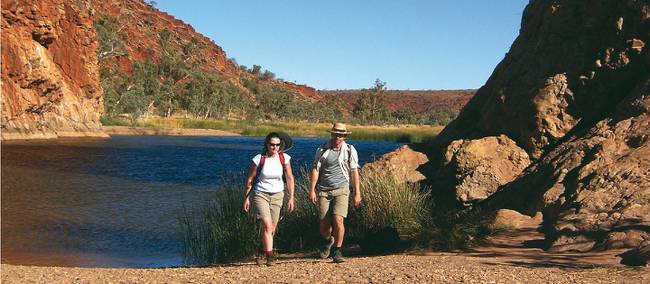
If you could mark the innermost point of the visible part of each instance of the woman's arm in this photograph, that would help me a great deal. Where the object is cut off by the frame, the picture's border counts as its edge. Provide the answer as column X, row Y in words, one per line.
column 290, row 187
column 252, row 172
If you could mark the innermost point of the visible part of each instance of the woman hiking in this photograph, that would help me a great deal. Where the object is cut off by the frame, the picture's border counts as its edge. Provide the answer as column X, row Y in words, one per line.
column 267, row 192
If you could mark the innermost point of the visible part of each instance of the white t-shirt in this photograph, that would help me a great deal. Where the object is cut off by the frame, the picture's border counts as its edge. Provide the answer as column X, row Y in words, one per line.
column 270, row 179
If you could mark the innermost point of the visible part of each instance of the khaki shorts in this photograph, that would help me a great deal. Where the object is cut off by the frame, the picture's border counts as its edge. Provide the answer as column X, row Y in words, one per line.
column 333, row 202
column 268, row 205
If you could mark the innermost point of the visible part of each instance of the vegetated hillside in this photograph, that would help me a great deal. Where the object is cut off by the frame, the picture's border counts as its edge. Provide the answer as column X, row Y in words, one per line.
column 140, row 25
column 416, row 100
column 134, row 32
column 562, row 126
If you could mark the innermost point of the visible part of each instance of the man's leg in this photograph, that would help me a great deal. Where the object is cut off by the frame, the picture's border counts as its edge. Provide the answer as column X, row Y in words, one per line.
column 325, row 226
column 339, row 212
column 338, row 230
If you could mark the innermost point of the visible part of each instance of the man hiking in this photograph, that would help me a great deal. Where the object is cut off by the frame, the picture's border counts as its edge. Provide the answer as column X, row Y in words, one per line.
column 335, row 168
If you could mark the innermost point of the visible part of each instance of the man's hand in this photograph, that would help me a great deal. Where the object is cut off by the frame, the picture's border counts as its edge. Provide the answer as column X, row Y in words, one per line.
column 246, row 205
column 357, row 200
column 291, row 206
column 312, row 196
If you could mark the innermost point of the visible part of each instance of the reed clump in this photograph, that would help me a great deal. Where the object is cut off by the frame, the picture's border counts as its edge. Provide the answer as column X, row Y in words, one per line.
column 298, row 231
column 219, row 231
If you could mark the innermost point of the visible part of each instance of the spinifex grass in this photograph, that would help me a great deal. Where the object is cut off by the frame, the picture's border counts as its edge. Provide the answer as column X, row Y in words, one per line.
column 389, row 202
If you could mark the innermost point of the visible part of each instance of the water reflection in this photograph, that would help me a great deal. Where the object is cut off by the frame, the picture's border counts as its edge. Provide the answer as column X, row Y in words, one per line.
column 114, row 203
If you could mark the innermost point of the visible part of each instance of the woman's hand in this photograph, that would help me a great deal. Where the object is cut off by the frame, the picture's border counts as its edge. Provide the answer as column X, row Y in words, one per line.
column 246, row 205
column 312, row 196
column 291, row 206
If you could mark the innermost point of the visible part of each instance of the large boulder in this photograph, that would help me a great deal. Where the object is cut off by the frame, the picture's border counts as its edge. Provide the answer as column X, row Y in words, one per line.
column 481, row 166
column 50, row 74
column 401, row 163
column 513, row 220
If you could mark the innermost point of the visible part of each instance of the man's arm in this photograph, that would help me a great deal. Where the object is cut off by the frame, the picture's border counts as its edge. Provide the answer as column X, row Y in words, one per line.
column 354, row 175
column 313, row 178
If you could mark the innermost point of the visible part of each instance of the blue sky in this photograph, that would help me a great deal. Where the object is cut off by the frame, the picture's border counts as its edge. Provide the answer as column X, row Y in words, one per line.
column 338, row 44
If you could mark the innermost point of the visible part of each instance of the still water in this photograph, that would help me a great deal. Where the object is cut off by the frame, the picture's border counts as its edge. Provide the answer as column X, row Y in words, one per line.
column 116, row 202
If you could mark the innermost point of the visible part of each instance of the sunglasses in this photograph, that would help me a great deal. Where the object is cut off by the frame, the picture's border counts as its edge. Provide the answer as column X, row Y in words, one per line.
column 274, row 145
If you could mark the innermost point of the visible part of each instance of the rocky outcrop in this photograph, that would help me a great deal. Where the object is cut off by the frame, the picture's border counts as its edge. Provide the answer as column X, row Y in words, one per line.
column 481, row 166
column 50, row 79
column 573, row 92
column 594, row 189
column 401, row 163
column 571, row 63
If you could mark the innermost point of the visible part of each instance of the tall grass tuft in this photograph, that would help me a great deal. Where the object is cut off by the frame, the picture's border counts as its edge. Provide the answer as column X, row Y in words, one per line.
column 299, row 230
column 219, row 232
column 388, row 203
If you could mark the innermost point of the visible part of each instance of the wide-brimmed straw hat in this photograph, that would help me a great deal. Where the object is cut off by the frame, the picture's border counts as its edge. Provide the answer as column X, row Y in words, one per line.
column 339, row 128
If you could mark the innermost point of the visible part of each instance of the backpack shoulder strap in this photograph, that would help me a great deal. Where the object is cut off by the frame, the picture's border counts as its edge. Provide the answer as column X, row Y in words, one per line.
column 284, row 167
column 281, row 158
column 260, row 166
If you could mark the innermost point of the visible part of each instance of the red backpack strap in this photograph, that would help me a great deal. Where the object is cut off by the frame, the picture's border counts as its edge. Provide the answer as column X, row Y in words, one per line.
column 261, row 164
column 284, row 167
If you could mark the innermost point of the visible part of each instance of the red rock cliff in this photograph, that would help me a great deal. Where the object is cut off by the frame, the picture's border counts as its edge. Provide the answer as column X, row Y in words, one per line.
column 50, row 80
column 573, row 92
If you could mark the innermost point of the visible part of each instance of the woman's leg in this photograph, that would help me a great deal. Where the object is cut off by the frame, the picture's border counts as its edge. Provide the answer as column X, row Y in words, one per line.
column 268, row 230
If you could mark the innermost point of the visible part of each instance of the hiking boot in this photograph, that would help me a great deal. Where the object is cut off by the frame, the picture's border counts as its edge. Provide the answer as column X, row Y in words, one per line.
column 326, row 247
column 259, row 259
column 337, row 256
column 270, row 259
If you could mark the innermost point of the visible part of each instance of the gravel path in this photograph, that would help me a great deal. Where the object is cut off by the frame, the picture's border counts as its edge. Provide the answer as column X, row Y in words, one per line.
column 400, row 268
column 509, row 257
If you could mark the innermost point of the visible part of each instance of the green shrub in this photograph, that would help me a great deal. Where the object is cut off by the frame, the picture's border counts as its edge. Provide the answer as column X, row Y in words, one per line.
column 112, row 121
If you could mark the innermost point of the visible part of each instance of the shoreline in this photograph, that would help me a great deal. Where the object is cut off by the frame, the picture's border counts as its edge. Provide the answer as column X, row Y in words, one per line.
column 129, row 130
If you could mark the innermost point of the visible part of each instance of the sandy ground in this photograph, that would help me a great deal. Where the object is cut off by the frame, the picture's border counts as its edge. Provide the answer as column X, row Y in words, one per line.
column 507, row 258
column 400, row 268
column 128, row 130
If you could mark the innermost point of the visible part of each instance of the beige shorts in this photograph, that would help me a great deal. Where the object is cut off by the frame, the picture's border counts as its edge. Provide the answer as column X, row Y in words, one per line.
column 333, row 202
column 268, row 205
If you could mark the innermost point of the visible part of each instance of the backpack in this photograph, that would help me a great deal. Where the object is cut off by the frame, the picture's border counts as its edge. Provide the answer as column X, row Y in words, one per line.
column 326, row 147
column 261, row 165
